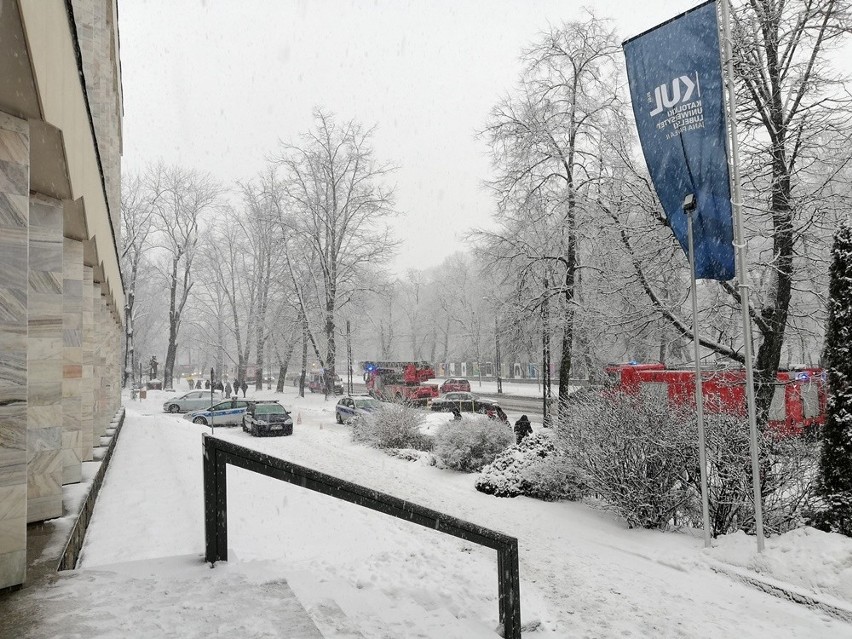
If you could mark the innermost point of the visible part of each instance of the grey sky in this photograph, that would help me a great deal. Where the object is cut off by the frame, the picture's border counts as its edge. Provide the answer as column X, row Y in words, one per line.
column 215, row 84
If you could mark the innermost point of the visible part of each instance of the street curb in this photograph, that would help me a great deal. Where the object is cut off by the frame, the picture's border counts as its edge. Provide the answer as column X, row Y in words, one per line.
column 835, row 608
column 71, row 552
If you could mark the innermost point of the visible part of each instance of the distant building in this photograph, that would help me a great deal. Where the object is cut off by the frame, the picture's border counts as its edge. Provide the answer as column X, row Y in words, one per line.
column 61, row 294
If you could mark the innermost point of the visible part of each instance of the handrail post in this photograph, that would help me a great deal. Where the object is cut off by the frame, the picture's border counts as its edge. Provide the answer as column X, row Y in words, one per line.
column 509, row 590
column 215, row 501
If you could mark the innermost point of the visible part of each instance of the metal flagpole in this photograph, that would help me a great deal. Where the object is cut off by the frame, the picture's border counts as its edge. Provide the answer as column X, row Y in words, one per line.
column 742, row 268
column 689, row 205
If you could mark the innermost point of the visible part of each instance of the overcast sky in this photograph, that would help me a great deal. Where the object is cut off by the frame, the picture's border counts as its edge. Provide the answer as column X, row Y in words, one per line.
column 215, row 84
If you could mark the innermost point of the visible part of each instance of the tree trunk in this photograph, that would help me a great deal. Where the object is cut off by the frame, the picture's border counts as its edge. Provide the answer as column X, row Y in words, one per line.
column 304, row 355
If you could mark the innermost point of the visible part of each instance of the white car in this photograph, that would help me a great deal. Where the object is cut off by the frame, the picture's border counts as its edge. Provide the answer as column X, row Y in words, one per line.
column 193, row 400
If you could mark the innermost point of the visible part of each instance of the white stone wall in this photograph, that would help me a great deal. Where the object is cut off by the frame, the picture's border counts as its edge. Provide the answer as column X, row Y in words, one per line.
column 14, row 220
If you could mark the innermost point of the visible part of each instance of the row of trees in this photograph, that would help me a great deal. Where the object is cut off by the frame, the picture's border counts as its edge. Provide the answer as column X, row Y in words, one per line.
column 249, row 272
column 580, row 260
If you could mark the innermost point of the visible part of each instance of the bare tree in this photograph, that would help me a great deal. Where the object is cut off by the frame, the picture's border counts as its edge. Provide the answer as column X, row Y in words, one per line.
column 544, row 143
column 336, row 206
column 136, row 211
column 180, row 198
column 795, row 115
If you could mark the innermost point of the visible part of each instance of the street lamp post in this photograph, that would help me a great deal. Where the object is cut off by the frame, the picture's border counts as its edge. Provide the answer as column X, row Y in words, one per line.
column 497, row 352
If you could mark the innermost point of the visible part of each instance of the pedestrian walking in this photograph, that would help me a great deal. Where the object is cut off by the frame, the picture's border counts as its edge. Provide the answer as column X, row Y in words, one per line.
column 227, row 389
column 244, row 387
column 522, row 428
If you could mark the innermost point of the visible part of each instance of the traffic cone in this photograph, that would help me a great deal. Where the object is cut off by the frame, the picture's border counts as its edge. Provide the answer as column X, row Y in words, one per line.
column 298, row 418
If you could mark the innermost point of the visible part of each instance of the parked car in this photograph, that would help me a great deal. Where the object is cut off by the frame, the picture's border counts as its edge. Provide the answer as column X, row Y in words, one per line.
column 454, row 384
column 316, row 383
column 193, row 400
column 227, row 413
column 267, row 418
column 463, row 402
column 350, row 407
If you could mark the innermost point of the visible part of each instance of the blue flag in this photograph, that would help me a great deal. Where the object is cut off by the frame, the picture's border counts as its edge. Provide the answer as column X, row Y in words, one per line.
column 675, row 77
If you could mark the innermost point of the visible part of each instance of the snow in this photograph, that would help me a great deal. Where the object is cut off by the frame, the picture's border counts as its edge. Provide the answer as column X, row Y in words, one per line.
column 583, row 572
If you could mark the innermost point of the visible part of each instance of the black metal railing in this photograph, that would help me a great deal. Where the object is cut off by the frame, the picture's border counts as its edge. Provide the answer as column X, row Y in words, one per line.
column 219, row 453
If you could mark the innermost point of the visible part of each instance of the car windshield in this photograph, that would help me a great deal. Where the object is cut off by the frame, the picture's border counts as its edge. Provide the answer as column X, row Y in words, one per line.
column 366, row 403
column 222, row 406
column 269, row 409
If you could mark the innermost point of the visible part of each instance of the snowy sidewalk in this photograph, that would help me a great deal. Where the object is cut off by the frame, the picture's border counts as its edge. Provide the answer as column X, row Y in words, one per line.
column 296, row 556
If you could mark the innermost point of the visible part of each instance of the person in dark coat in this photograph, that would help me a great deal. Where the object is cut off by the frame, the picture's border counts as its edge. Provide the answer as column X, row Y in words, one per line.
column 198, row 383
column 522, row 428
column 207, row 384
column 244, row 387
column 227, row 389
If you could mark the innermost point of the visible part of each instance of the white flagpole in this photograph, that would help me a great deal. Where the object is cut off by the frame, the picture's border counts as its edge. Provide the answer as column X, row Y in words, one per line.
column 742, row 267
column 689, row 209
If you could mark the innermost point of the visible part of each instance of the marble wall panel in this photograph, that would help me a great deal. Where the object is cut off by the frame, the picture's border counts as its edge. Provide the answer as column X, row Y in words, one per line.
column 72, row 360
column 44, row 360
column 87, row 381
column 99, row 363
column 14, row 247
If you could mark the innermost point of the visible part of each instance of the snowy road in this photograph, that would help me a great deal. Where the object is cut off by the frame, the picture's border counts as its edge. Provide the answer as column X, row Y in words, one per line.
column 583, row 574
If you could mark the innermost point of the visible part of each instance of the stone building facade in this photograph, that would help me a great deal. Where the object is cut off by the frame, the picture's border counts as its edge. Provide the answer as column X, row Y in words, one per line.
column 61, row 294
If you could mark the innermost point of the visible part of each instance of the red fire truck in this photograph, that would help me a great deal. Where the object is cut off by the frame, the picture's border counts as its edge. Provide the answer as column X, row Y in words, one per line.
column 798, row 405
column 400, row 381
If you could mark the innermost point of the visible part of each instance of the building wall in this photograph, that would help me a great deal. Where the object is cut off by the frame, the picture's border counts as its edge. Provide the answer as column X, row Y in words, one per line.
column 61, row 294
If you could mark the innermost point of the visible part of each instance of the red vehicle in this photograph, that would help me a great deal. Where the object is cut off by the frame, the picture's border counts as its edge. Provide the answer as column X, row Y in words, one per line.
column 400, row 381
column 455, row 384
column 798, row 405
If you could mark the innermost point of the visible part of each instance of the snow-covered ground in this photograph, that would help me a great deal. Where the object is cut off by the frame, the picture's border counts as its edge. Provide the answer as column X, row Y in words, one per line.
column 583, row 573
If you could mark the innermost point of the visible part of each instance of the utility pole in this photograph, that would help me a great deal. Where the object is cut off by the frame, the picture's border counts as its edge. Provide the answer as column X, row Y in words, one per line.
column 545, row 359
column 349, row 385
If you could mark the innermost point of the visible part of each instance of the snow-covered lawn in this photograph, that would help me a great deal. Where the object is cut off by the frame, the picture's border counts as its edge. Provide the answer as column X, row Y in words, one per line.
column 583, row 573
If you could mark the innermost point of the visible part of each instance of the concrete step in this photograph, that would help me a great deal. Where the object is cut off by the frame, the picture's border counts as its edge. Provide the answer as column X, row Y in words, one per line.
column 180, row 597
column 342, row 610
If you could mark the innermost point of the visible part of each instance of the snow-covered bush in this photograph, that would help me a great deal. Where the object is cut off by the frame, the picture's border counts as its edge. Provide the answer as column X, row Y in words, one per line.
column 467, row 445
column 392, row 426
column 535, row 468
column 787, row 478
column 632, row 452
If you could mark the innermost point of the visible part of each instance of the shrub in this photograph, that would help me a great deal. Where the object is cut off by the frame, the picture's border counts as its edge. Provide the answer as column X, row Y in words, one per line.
column 787, row 473
column 535, row 468
column 469, row 444
column 641, row 458
column 392, row 426
column 631, row 451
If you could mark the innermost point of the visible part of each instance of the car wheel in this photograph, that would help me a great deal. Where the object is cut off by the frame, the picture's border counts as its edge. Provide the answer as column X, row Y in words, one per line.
column 174, row 408
column 339, row 418
column 200, row 420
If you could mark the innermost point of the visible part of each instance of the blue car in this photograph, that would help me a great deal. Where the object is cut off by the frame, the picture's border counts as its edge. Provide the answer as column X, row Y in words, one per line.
column 227, row 413
column 350, row 407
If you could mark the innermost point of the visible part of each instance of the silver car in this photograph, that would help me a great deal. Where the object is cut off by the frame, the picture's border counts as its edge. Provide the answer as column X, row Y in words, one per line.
column 193, row 400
